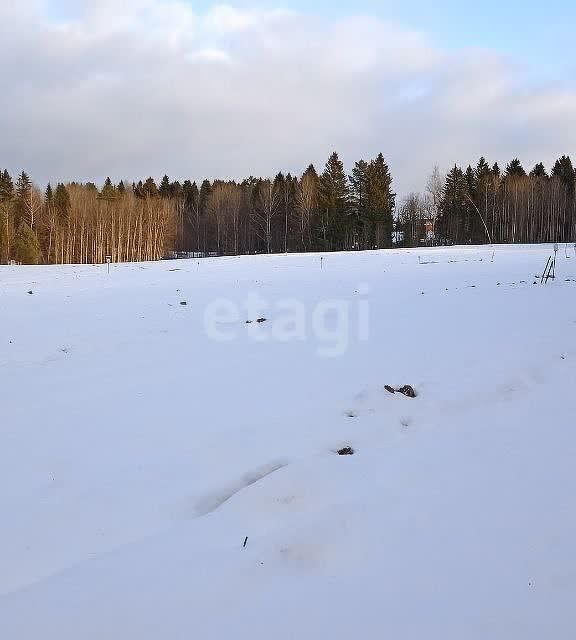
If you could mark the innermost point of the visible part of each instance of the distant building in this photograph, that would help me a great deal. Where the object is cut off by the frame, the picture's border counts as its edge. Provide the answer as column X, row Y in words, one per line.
column 429, row 231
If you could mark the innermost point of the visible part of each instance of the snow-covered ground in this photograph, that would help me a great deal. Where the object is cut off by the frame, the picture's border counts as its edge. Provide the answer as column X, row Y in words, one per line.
column 142, row 440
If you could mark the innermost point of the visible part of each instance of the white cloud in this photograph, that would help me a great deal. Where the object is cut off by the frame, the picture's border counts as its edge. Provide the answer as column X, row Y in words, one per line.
column 222, row 19
column 153, row 86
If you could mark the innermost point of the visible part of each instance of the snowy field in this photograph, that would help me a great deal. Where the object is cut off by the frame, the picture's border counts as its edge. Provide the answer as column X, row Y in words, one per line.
column 142, row 440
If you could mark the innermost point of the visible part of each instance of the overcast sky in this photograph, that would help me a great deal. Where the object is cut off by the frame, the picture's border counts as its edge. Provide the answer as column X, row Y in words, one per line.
column 92, row 88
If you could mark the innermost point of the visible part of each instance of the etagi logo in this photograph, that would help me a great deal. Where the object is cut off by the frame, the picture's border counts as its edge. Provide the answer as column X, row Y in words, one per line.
column 332, row 324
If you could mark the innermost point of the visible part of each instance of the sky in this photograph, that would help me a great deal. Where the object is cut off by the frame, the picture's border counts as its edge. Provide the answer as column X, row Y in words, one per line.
column 196, row 89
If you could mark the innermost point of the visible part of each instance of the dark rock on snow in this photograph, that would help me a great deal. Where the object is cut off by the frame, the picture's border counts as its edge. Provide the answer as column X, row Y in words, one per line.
column 406, row 390
column 346, row 451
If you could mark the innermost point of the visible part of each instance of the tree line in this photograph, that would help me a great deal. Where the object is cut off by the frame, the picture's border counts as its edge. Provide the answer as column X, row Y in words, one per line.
column 81, row 223
column 485, row 204
column 330, row 211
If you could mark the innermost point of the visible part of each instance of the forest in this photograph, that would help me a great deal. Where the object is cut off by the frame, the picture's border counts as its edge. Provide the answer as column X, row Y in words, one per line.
column 327, row 211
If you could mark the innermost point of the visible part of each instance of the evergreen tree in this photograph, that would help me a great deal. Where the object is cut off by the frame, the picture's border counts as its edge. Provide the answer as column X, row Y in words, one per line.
column 205, row 190
column 307, row 194
column 175, row 189
column 6, row 187
column 453, row 208
column 380, row 203
column 62, row 204
column 150, row 189
column 26, row 245
column 6, row 198
column 564, row 170
column 22, row 199
column 359, row 188
column 515, row 169
column 49, row 195
column 201, row 207
column 164, row 190
column 191, row 223
column 108, row 191
column 334, row 200
column 471, row 182
column 539, row 171
column 121, row 188
column 359, row 198
column 484, row 198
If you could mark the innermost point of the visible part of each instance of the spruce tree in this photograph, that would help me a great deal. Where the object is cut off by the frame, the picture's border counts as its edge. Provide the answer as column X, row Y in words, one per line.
column 26, row 245
column 164, row 190
column 6, row 187
column 515, row 169
column 205, row 191
column 191, row 222
column 539, row 171
column 453, row 208
column 108, row 191
column 380, row 203
column 307, row 205
column 150, row 189
column 62, row 204
column 334, row 201
column 6, row 198
column 484, row 197
column 22, row 199
column 138, row 189
column 564, row 170
column 359, row 197
column 175, row 189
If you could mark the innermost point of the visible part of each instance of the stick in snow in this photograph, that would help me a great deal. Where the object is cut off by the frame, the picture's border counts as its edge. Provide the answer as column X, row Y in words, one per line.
column 545, row 270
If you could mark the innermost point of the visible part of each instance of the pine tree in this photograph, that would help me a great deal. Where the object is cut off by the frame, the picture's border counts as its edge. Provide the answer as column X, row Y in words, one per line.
column 121, row 188
column 26, row 245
